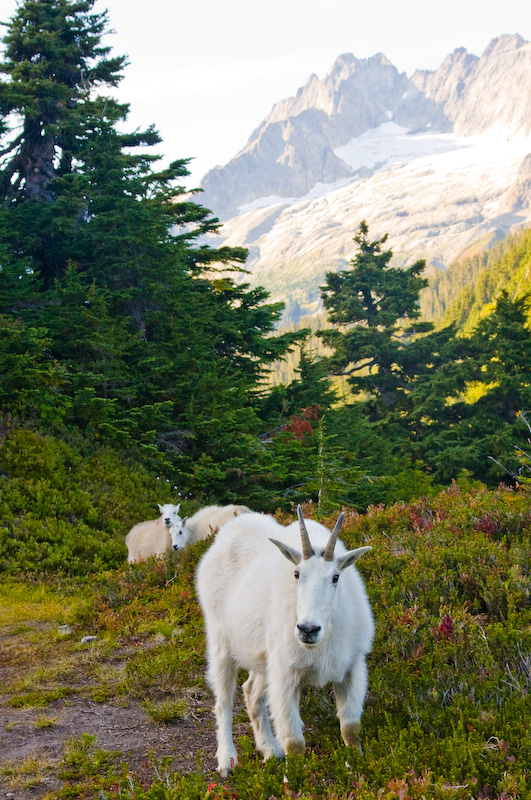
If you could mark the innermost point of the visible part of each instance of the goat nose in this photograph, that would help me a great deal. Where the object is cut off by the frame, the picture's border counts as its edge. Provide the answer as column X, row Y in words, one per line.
column 309, row 628
column 167, row 521
column 308, row 633
column 175, row 546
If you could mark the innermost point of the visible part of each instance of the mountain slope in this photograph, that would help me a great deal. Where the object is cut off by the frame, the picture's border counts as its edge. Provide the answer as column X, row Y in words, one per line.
column 506, row 267
column 440, row 161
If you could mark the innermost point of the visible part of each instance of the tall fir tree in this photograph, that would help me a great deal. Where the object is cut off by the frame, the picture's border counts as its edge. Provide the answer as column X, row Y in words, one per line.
column 466, row 411
column 399, row 368
column 370, row 304
column 104, row 264
column 53, row 61
column 498, row 389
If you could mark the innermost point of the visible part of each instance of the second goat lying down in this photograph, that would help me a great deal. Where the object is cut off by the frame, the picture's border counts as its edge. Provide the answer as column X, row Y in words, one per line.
column 287, row 605
column 203, row 523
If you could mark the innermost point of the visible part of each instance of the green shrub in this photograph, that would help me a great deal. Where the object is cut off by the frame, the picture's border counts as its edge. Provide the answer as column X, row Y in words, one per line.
column 64, row 513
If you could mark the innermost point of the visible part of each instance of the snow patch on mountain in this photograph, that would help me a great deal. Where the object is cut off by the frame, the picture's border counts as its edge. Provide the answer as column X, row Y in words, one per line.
column 319, row 190
column 435, row 194
column 390, row 143
column 379, row 149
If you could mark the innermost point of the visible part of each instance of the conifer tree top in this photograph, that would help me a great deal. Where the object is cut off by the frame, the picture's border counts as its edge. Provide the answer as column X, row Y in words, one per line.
column 53, row 60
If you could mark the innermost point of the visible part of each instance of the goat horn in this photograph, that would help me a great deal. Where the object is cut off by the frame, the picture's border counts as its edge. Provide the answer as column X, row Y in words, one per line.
column 307, row 549
column 328, row 554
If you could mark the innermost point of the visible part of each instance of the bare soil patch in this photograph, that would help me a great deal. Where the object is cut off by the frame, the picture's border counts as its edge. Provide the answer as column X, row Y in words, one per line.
column 128, row 730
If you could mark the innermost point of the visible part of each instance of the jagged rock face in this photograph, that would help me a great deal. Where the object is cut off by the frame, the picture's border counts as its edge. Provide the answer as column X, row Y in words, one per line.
column 519, row 196
column 475, row 94
column 438, row 161
column 292, row 149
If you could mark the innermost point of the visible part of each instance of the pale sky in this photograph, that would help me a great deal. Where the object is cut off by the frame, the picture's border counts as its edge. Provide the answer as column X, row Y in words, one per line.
column 206, row 72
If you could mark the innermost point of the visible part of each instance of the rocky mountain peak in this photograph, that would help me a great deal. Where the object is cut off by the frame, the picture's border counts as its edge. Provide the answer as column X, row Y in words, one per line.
column 440, row 162
column 348, row 77
column 475, row 94
column 295, row 148
column 505, row 43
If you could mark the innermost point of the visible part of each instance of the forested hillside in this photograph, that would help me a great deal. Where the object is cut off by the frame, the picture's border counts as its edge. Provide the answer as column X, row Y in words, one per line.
column 466, row 291
column 117, row 329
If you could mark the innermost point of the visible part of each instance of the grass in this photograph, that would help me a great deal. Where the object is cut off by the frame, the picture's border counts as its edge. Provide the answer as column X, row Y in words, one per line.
column 22, row 603
column 167, row 711
column 38, row 699
column 42, row 721
column 62, row 669
column 26, row 774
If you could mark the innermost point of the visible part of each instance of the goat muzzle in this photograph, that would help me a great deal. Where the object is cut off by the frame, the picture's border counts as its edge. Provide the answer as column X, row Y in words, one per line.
column 308, row 634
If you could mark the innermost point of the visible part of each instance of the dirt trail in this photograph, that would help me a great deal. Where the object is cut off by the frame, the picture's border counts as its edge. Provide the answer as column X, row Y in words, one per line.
column 128, row 730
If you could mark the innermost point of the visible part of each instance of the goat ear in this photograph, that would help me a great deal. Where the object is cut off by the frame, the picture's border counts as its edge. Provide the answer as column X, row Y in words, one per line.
column 160, row 507
column 290, row 553
column 184, row 521
column 351, row 557
column 177, row 508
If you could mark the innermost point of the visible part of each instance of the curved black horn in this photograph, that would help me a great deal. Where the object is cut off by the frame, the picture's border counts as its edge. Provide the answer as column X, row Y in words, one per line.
column 328, row 554
column 307, row 549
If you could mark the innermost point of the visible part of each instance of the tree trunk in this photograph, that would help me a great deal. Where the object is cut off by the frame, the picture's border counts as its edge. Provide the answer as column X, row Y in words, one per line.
column 35, row 161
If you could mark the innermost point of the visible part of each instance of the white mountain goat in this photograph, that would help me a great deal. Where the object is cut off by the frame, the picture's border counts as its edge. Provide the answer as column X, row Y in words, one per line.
column 203, row 523
column 152, row 538
column 290, row 625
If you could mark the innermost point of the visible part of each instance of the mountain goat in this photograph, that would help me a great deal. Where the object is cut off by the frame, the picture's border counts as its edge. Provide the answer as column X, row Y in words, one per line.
column 203, row 523
column 152, row 538
column 308, row 623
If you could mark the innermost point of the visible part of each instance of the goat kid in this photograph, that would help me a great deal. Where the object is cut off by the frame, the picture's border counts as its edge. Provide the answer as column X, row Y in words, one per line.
column 153, row 537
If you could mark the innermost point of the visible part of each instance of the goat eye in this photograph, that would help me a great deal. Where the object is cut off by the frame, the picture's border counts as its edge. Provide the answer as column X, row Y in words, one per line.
column 296, row 573
column 335, row 578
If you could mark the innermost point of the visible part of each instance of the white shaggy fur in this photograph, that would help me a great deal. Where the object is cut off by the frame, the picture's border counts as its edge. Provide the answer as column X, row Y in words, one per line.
column 203, row 523
column 152, row 538
column 308, row 622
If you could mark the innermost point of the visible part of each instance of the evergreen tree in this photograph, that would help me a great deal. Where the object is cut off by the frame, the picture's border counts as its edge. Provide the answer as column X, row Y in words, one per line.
column 371, row 303
column 470, row 406
column 31, row 382
column 105, row 266
column 310, row 388
column 400, row 369
column 312, row 385
column 53, row 60
column 502, row 345
column 499, row 363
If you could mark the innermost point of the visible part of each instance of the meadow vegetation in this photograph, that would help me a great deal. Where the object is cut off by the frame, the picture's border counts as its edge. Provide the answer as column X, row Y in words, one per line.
column 450, row 673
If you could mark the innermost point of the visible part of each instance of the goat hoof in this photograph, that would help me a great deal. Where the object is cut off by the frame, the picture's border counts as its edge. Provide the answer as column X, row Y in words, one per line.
column 295, row 746
column 225, row 767
column 351, row 735
column 271, row 752
column 224, row 772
